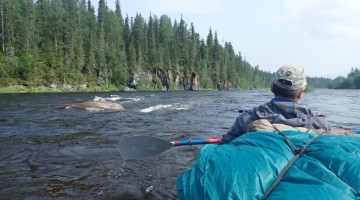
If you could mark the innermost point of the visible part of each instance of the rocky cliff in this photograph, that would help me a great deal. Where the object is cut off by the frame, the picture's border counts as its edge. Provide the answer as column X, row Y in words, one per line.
column 165, row 80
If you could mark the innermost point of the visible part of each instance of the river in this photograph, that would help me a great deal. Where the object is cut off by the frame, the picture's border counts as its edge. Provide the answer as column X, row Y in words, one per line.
column 47, row 153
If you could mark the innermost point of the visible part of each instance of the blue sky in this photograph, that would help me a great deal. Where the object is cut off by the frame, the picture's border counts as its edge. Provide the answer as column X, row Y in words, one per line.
column 323, row 36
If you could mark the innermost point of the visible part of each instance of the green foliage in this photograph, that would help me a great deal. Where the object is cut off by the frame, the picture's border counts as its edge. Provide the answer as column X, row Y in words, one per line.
column 63, row 42
column 319, row 82
column 352, row 81
column 3, row 73
column 26, row 69
column 119, row 78
column 156, row 81
column 309, row 88
column 143, row 83
column 171, row 85
column 357, row 81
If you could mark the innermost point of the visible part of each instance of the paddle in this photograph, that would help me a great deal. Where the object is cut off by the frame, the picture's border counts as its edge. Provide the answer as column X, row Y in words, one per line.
column 144, row 146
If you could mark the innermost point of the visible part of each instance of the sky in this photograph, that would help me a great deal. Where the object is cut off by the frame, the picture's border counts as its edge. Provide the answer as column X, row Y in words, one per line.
column 322, row 36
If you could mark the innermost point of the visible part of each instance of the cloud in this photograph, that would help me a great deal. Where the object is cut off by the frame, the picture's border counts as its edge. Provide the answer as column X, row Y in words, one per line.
column 186, row 6
column 332, row 20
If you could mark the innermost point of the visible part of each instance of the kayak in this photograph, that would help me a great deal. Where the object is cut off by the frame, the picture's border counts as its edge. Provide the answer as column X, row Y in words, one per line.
column 265, row 165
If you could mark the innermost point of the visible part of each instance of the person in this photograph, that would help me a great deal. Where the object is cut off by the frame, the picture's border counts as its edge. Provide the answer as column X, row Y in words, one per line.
column 288, row 85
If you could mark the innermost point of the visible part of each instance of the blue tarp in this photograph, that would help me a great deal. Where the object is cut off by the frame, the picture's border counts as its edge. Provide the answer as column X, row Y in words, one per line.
column 248, row 166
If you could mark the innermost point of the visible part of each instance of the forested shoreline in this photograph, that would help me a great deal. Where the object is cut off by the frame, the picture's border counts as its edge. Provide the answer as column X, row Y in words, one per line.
column 64, row 44
column 352, row 81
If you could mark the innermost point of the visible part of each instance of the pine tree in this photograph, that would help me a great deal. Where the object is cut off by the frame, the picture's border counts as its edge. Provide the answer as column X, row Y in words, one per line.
column 90, row 35
column 193, row 49
column 165, row 37
column 121, row 76
column 151, row 43
column 183, row 46
column 129, row 47
column 100, row 50
column 71, row 38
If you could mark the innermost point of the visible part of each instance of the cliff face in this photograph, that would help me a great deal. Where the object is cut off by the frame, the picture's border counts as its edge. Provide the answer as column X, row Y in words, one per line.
column 164, row 80
column 227, row 85
column 191, row 83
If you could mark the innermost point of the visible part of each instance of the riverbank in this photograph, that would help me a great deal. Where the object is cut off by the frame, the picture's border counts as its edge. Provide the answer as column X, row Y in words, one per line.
column 67, row 88
column 43, row 89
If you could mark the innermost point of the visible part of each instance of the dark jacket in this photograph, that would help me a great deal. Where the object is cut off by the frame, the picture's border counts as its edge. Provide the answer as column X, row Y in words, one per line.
column 280, row 112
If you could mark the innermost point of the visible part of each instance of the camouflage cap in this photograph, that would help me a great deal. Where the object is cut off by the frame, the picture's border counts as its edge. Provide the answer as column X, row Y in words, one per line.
column 290, row 77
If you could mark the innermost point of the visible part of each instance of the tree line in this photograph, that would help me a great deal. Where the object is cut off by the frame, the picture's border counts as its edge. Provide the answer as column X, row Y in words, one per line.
column 64, row 42
column 352, row 81
column 319, row 82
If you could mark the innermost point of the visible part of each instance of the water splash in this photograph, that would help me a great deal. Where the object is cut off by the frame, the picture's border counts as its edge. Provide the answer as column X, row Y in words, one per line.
column 158, row 107
column 117, row 97
column 149, row 189
column 174, row 106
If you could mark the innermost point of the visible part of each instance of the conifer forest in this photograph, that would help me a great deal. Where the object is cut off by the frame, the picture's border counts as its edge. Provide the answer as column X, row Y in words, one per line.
column 67, row 42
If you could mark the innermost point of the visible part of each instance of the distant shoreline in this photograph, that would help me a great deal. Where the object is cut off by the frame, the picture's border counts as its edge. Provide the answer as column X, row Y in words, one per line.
column 17, row 89
column 42, row 89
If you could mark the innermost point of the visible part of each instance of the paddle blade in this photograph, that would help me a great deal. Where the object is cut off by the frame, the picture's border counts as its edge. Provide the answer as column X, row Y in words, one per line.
column 142, row 146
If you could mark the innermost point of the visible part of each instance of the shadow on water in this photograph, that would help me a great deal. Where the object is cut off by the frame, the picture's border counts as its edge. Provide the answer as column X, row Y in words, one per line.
column 47, row 153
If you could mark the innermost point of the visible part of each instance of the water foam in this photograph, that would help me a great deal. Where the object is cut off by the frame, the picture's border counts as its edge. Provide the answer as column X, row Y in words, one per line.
column 117, row 97
column 176, row 106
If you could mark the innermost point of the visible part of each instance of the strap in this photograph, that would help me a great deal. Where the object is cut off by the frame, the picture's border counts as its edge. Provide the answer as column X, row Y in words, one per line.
column 298, row 152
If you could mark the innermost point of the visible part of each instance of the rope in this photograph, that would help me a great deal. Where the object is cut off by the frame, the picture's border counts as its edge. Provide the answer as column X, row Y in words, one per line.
column 297, row 152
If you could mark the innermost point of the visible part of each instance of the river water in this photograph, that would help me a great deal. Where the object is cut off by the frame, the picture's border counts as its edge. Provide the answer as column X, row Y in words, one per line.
column 47, row 153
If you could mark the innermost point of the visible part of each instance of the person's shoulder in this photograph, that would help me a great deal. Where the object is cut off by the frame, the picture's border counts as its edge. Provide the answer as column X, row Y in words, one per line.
column 315, row 113
column 264, row 106
column 254, row 109
column 247, row 112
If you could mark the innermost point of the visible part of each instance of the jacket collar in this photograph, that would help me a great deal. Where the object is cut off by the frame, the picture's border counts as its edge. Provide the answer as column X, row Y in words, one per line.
column 282, row 100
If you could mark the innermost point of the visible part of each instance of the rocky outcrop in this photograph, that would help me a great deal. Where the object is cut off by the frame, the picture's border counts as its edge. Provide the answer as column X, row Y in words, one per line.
column 177, row 83
column 140, row 76
column 195, row 84
column 136, row 77
column 164, row 80
column 227, row 85
column 191, row 83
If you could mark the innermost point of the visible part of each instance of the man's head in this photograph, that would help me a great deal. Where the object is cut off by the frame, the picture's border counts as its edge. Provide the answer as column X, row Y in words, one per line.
column 289, row 82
